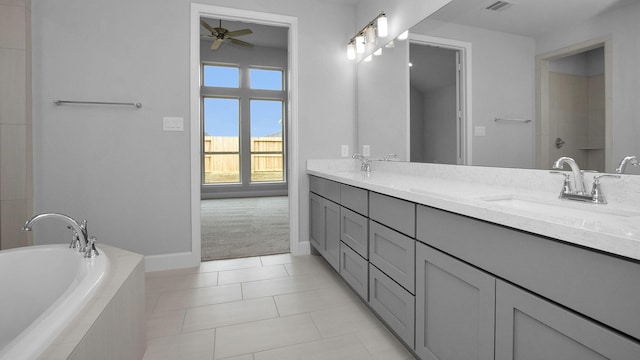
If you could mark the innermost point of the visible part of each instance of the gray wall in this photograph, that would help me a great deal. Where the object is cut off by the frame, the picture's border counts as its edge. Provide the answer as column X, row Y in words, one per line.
column 115, row 166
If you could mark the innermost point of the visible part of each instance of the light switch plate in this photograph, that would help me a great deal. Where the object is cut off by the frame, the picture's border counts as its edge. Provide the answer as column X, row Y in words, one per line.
column 172, row 124
column 479, row 131
column 366, row 150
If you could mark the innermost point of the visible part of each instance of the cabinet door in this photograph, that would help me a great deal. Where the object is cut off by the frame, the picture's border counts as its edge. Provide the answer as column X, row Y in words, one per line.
column 454, row 308
column 354, row 231
column 529, row 327
column 332, row 233
column 316, row 222
column 324, row 228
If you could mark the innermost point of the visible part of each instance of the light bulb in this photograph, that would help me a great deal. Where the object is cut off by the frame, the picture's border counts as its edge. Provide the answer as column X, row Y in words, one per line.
column 404, row 35
column 359, row 44
column 383, row 27
column 351, row 51
column 378, row 52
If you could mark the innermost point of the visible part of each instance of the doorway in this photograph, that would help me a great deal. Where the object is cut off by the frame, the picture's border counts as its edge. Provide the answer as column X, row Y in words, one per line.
column 244, row 157
column 574, row 107
column 440, row 100
column 199, row 11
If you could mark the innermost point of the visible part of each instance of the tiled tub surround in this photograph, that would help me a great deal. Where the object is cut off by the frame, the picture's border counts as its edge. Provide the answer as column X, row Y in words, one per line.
column 456, row 276
column 112, row 325
column 464, row 190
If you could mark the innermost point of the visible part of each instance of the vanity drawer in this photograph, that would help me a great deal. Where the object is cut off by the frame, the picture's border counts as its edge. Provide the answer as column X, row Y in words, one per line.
column 354, row 270
column 395, row 213
column 325, row 188
column 354, row 231
column 393, row 253
column 355, row 199
column 394, row 304
column 603, row 287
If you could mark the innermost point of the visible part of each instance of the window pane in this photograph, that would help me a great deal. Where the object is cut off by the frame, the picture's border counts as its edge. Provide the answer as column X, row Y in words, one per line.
column 221, row 140
column 221, row 76
column 267, row 161
column 266, row 167
column 221, row 168
column 265, row 79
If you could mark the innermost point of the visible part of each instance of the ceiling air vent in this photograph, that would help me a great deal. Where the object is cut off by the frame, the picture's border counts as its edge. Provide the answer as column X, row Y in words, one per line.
column 498, row 6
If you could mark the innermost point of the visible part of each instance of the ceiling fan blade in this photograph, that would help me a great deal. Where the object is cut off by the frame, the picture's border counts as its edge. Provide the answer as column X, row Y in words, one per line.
column 216, row 44
column 240, row 32
column 208, row 27
column 240, row 42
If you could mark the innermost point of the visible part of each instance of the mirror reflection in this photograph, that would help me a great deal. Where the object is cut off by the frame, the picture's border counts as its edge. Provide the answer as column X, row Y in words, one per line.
column 515, row 87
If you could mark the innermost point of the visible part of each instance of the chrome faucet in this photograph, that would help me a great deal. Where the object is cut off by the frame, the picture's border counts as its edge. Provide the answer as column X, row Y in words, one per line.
column 576, row 190
column 365, row 165
column 628, row 160
column 391, row 156
column 578, row 187
column 80, row 239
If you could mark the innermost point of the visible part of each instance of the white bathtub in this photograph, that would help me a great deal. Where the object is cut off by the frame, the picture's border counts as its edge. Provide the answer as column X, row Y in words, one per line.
column 42, row 288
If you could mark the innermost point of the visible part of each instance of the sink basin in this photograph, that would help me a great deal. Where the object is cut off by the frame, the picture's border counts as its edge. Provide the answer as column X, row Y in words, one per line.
column 558, row 207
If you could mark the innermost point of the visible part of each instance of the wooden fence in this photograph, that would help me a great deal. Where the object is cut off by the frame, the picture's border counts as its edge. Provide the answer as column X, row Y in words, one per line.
column 229, row 163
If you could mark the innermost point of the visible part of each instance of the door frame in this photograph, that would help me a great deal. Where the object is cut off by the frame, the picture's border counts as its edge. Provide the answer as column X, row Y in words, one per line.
column 202, row 10
column 542, row 133
column 464, row 91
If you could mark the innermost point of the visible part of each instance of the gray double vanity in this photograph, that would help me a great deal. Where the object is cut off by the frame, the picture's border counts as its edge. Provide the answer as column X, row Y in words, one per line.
column 483, row 263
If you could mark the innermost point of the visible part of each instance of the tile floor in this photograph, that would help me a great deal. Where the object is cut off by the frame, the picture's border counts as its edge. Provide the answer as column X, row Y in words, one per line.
column 270, row 307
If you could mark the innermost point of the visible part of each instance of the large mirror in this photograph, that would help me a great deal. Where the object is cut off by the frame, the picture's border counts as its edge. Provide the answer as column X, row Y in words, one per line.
column 518, row 85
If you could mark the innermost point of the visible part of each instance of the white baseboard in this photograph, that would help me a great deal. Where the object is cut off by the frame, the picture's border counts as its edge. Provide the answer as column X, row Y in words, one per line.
column 303, row 248
column 171, row 261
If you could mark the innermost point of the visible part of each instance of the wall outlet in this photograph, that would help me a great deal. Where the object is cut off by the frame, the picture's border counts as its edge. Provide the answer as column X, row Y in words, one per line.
column 366, row 150
column 344, row 150
column 173, row 124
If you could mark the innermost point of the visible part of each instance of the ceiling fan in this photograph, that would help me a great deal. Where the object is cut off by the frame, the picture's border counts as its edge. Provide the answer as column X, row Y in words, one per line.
column 221, row 35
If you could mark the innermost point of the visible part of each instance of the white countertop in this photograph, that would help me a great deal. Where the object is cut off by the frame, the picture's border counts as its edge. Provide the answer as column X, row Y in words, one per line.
column 531, row 206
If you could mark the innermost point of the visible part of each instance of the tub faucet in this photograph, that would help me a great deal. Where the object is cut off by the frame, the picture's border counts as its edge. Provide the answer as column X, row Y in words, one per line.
column 578, row 179
column 628, row 160
column 80, row 230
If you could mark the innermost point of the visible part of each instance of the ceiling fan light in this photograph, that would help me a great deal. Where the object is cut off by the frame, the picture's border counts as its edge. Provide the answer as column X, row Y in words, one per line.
column 370, row 34
column 383, row 26
column 360, row 44
column 351, row 51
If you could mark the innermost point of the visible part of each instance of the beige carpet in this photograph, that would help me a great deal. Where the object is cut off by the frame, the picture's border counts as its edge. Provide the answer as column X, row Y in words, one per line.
column 233, row 228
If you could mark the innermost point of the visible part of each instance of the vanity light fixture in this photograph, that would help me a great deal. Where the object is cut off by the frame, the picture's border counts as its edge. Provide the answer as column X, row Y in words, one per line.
column 351, row 51
column 359, row 44
column 368, row 58
column 404, row 35
column 378, row 27
column 382, row 26
column 370, row 35
column 378, row 52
